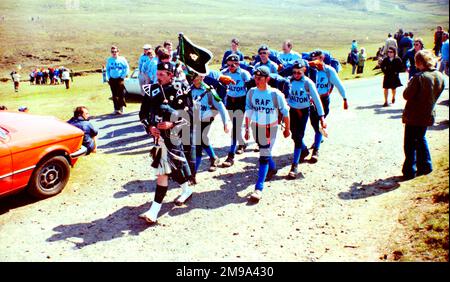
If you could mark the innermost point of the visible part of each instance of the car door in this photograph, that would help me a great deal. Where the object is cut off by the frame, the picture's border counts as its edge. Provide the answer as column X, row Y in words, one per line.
column 5, row 163
column 132, row 83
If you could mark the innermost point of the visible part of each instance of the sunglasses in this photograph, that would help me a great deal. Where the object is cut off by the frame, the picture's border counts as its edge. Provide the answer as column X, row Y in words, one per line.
column 296, row 72
column 263, row 53
column 114, row 51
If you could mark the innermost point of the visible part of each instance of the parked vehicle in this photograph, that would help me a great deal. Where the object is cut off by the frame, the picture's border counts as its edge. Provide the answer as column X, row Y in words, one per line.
column 132, row 83
column 36, row 153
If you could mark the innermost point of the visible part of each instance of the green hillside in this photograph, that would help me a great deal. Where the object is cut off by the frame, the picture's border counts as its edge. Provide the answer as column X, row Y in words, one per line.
column 78, row 33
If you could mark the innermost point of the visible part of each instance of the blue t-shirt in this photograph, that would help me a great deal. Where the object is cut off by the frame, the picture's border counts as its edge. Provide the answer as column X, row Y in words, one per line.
column 300, row 94
column 324, row 85
column 271, row 65
column 142, row 60
column 116, row 67
column 261, row 108
column 241, row 77
column 288, row 58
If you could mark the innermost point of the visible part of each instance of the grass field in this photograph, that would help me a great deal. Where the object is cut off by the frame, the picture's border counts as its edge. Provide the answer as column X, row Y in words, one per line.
column 78, row 33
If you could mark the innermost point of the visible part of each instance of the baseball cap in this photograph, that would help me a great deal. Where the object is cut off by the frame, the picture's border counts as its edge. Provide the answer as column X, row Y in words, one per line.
column 147, row 46
column 299, row 64
column 263, row 48
column 316, row 53
column 233, row 58
column 166, row 67
column 262, row 71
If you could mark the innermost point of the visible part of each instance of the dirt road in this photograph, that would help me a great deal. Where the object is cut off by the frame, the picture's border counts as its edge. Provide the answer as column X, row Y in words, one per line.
column 345, row 207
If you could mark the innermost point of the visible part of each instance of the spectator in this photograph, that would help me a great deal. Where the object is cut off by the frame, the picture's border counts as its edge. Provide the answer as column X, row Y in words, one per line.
column 80, row 119
column 444, row 54
column 354, row 45
column 399, row 35
column 3, row 108
column 116, row 70
column 234, row 49
column 438, row 40
column 16, row 80
column 405, row 44
column 409, row 57
column 65, row 77
column 354, row 60
column 391, row 67
column 362, row 57
column 390, row 42
column 421, row 95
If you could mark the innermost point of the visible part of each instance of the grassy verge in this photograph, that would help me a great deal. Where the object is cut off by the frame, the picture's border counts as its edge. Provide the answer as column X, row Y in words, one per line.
column 425, row 217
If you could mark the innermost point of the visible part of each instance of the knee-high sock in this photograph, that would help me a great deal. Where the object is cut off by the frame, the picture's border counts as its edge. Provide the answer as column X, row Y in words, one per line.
column 160, row 193
column 272, row 164
column 198, row 161
column 210, row 151
column 297, row 153
column 317, row 140
column 262, row 173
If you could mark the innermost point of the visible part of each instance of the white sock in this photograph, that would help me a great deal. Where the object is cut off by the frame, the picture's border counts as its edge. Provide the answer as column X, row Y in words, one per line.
column 152, row 213
column 186, row 192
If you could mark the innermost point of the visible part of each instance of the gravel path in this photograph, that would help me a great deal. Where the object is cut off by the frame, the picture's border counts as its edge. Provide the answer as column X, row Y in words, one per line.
column 345, row 208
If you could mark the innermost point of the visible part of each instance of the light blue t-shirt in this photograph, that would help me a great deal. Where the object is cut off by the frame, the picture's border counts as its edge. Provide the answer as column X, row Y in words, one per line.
column 271, row 65
column 150, row 68
column 142, row 60
column 324, row 84
column 444, row 51
column 289, row 58
column 206, row 112
column 240, row 76
column 116, row 67
column 300, row 98
column 261, row 108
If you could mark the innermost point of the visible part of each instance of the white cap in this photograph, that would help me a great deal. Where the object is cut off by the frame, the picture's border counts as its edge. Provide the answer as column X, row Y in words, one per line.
column 147, row 46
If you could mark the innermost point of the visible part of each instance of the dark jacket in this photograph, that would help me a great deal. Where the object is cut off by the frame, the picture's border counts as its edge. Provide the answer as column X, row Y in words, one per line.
column 421, row 95
column 89, row 131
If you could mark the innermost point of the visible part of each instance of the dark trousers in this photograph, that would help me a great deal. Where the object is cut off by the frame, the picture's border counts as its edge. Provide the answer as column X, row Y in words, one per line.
column 417, row 153
column 204, row 142
column 117, row 89
column 233, row 105
column 315, row 120
column 298, row 120
column 66, row 81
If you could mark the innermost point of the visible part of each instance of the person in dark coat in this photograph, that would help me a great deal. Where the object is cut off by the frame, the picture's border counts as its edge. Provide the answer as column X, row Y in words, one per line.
column 421, row 95
column 391, row 67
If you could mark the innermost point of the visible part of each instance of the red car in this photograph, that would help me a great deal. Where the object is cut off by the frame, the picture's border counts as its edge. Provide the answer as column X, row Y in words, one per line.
column 36, row 152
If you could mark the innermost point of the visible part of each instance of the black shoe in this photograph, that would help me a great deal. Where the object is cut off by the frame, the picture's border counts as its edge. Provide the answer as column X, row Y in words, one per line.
column 240, row 149
column 214, row 164
column 425, row 172
column 315, row 156
column 304, row 154
column 229, row 161
column 270, row 174
column 293, row 172
column 193, row 180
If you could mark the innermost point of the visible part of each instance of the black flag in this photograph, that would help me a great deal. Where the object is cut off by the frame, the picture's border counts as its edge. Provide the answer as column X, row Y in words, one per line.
column 193, row 56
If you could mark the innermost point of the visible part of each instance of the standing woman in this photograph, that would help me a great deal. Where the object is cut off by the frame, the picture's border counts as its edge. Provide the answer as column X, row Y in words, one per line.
column 391, row 67
column 421, row 95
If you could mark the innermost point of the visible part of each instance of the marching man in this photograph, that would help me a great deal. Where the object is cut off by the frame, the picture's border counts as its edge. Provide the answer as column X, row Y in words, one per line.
column 263, row 106
column 158, row 112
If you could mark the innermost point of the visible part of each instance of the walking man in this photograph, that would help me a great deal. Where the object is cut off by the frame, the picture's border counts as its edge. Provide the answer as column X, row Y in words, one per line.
column 159, row 115
column 116, row 70
column 235, row 103
column 325, row 78
column 263, row 106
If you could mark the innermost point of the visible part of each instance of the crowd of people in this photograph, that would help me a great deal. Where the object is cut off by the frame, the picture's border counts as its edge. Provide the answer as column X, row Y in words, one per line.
column 51, row 76
column 276, row 88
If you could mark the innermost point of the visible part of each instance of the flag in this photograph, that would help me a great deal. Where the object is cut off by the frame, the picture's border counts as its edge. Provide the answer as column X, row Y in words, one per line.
column 193, row 56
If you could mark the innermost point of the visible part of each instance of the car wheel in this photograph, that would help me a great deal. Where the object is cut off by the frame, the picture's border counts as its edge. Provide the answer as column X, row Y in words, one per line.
column 50, row 177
